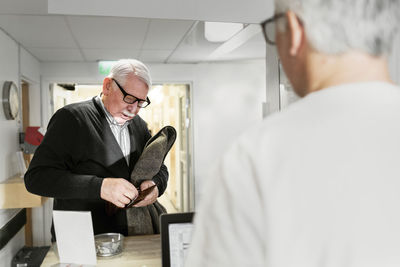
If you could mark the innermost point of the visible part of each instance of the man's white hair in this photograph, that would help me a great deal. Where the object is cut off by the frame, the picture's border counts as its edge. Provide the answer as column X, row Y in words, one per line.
column 338, row 26
column 124, row 67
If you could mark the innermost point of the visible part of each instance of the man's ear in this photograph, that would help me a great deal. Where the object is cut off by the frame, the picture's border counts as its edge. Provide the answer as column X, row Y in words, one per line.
column 296, row 31
column 106, row 86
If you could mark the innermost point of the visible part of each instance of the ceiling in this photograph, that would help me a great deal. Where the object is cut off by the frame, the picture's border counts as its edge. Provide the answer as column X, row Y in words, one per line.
column 80, row 38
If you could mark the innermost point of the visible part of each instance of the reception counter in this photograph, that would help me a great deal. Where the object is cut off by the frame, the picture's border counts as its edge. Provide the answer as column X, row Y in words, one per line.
column 138, row 251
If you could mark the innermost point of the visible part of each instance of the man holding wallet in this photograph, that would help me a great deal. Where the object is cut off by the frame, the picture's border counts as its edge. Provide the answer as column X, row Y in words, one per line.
column 90, row 149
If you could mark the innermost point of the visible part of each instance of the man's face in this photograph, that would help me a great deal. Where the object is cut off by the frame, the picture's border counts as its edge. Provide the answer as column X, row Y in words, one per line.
column 113, row 97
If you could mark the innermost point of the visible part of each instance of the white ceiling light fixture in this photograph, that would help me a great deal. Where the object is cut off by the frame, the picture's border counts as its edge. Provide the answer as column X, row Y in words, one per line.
column 220, row 31
column 236, row 41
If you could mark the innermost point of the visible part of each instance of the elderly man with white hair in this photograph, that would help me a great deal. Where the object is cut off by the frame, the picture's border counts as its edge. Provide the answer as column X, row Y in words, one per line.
column 318, row 183
column 90, row 149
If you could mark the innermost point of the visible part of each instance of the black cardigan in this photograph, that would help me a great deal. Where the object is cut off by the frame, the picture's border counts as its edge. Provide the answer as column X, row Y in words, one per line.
column 77, row 152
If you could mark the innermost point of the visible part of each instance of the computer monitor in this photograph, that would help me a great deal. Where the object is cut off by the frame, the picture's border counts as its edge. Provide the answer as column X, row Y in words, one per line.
column 176, row 235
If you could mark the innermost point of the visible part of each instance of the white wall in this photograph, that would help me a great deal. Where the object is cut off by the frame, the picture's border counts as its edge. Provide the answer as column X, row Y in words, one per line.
column 226, row 99
column 16, row 64
column 9, row 71
column 8, row 128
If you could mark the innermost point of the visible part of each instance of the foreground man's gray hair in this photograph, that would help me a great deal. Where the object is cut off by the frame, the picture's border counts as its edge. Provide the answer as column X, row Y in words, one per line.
column 338, row 26
column 124, row 67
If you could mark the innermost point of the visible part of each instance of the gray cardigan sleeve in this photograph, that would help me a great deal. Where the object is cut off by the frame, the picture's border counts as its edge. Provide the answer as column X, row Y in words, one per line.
column 49, row 174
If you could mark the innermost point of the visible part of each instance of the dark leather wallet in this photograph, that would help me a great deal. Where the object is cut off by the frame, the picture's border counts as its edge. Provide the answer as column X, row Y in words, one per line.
column 140, row 197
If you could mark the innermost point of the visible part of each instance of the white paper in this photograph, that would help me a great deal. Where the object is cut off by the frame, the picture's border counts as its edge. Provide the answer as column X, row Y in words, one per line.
column 180, row 236
column 75, row 238
column 42, row 130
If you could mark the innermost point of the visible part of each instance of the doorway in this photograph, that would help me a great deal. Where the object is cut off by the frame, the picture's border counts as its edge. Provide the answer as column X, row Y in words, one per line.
column 170, row 105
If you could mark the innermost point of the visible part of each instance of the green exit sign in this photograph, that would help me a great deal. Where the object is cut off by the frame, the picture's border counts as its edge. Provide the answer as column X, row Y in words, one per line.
column 105, row 67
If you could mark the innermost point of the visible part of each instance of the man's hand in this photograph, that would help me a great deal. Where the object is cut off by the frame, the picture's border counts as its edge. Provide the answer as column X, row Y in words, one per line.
column 118, row 191
column 151, row 197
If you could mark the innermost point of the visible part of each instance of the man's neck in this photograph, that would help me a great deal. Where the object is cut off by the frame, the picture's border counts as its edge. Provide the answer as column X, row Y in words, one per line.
column 353, row 67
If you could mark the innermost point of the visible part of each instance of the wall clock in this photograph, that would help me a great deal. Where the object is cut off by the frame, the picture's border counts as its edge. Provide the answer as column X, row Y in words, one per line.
column 10, row 100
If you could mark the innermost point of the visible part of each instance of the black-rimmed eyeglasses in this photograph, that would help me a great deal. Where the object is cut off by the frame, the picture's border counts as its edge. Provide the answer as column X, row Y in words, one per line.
column 268, row 28
column 131, row 99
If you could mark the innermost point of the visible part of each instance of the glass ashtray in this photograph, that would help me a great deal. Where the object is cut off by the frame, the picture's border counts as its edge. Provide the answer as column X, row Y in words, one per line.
column 108, row 244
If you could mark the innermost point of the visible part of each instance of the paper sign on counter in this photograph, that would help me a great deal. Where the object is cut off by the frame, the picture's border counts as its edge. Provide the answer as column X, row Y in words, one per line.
column 75, row 238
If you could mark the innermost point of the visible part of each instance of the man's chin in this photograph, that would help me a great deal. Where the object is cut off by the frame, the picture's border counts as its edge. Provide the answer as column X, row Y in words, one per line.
column 124, row 118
